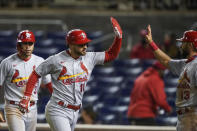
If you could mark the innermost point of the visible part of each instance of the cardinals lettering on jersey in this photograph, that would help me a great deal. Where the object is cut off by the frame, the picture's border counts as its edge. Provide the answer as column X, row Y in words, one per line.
column 69, row 79
column 19, row 81
column 184, row 87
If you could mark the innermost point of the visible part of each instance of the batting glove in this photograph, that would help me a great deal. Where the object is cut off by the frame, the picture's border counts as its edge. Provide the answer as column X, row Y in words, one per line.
column 116, row 27
column 24, row 104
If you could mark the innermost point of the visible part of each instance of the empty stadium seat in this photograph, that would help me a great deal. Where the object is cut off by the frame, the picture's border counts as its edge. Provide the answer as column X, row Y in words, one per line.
column 8, row 34
column 170, row 92
column 131, row 73
column 103, row 71
column 39, row 35
column 45, row 43
column 56, row 35
column 108, row 81
column 173, row 82
column 91, row 99
column 128, row 63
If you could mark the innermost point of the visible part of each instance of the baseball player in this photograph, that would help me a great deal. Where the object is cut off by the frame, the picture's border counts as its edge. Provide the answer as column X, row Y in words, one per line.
column 14, row 73
column 70, row 71
column 186, row 94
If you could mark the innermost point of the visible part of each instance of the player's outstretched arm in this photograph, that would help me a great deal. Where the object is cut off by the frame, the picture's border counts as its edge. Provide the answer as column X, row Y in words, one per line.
column 159, row 54
column 114, row 50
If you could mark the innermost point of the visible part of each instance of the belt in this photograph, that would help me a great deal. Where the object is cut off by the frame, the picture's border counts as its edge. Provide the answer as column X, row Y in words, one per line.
column 16, row 103
column 73, row 107
column 184, row 110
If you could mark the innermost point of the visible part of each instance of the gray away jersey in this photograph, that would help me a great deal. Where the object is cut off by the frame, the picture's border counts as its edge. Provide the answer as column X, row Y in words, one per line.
column 186, row 94
column 70, row 76
column 14, row 74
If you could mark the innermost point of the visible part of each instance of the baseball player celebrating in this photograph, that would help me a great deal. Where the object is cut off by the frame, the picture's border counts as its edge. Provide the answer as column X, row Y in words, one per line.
column 70, row 70
column 186, row 94
column 14, row 73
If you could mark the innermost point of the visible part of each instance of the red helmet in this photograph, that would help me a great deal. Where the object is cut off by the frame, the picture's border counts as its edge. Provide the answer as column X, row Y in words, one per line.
column 77, row 36
column 189, row 36
column 26, row 36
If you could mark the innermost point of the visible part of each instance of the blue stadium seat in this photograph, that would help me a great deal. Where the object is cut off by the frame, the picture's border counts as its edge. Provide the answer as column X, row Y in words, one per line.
column 166, row 121
column 124, row 101
column 8, row 34
column 147, row 63
column 43, row 100
column 45, row 52
column 56, row 35
column 11, row 43
column 108, row 119
column 91, row 99
column 130, row 73
column 6, row 51
column 128, row 63
column 170, row 92
column 109, row 100
column 125, row 91
column 173, row 82
column 95, row 34
column 39, row 34
column 106, row 81
column 45, row 43
column 95, row 44
column 103, row 71
column 60, row 44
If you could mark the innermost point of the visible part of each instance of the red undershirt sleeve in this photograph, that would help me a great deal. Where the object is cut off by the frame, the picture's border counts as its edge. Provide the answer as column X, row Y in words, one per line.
column 114, row 50
column 31, row 83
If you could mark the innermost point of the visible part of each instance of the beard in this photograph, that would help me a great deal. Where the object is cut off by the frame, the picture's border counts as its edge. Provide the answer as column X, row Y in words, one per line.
column 184, row 53
column 80, row 53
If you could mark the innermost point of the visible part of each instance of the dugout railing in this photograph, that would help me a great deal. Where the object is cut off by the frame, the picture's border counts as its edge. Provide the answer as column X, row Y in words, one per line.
column 86, row 127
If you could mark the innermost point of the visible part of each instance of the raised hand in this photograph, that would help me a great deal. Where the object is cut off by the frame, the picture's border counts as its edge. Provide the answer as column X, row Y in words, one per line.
column 149, row 35
column 116, row 27
column 23, row 104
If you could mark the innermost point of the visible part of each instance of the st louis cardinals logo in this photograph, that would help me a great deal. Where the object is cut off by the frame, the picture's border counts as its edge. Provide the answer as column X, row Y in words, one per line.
column 19, row 81
column 69, row 79
column 184, row 81
column 184, row 88
column 25, row 36
column 83, row 35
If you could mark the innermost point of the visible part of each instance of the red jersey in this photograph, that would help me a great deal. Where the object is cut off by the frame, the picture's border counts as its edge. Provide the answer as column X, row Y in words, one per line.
column 147, row 95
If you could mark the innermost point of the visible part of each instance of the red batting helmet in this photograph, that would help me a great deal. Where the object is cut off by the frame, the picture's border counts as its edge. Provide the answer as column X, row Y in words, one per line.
column 26, row 36
column 189, row 36
column 77, row 36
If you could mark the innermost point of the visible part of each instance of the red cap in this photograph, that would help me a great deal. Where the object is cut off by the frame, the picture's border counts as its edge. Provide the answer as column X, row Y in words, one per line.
column 77, row 36
column 158, row 65
column 189, row 36
column 26, row 36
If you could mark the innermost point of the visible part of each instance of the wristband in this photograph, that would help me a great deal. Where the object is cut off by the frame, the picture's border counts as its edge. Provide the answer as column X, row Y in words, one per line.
column 153, row 46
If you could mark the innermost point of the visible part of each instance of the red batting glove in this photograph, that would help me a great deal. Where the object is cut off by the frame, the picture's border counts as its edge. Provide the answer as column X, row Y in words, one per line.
column 23, row 104
column 116, row 27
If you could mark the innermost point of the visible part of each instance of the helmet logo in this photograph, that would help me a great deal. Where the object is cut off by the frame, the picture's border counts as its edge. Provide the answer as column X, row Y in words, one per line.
column 28, row 35
column 83, row 35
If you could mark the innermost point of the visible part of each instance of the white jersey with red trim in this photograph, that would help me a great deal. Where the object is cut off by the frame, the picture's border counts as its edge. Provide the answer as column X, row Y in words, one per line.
column 69, row 75
column 186, row 94
column 14, row 73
